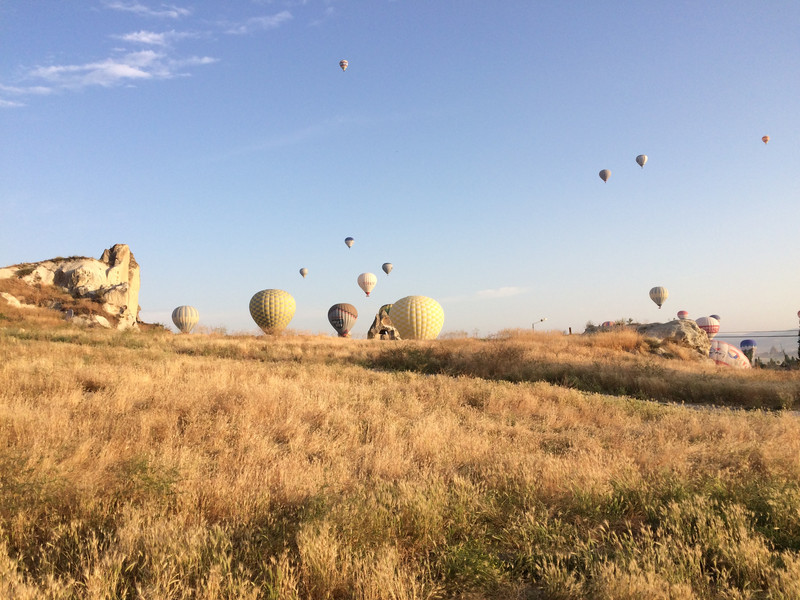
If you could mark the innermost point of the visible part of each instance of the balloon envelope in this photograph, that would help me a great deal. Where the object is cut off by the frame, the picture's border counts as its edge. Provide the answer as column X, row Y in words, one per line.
column 748, row 345
column 659, row 295
column 272, row 310
column 185, row 318
column 641, row 159
column 349, row 241
column 605, row 174
column 727, row 355
column 765, row 139
column 367, row 281
column 342, row 317
column 717, row 317
column 708, row 324
column 417, row 318
column 303, row 271
column 682, row 314
column 343, row 64
column 387, row 267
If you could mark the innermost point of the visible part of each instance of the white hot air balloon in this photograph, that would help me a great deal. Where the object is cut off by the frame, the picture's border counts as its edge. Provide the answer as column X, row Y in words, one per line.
column 367, row 281
column 605, row 174
column 185, row 318
column 387, row 267
column 641, row 159
column 304, row 272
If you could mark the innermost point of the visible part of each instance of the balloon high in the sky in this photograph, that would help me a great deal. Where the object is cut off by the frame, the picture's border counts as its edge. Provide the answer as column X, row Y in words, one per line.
column 387, row 267
column 682, row 314
column 727, row 355
column 417, row 318
column 765, row 139
column 367, row 281
column 659, row 295
column 710, row 325
column 185, row 318
column 349, row 241
column 272, row 310
column 343, row 64
column 605, row 174
column 641, row 159
column 342, row 317
column 304, row 272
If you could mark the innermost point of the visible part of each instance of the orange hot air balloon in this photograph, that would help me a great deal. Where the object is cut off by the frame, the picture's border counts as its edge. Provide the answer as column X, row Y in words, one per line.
column 765, row 139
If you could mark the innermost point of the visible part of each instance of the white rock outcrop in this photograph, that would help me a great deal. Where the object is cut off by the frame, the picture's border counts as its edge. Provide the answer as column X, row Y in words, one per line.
column 113, row 280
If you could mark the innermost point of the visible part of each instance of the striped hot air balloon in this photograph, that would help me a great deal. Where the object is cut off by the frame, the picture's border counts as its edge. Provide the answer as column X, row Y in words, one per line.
column 185, row 318
column 708, row 324
column 417, row 318
column 367, row 282
column 342, row 317
column 659, row 295
column 272, row 310
column 683, row 314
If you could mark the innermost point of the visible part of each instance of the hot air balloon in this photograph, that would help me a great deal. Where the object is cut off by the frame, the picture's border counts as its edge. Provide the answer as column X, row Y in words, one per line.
column 641, row 159
column 417, row 318
column 765, row 139
column 749, row 349
column 717, row 317
column 304, row 272
column 342, row 317
column 607, row 324
column 605, row 174
column 367, row 281
column 659, row 295
column 185, row 318
column 727, row 355
column 272, row 310
column 349, row 241
column 387, row 267
column 682, row 314
column 710, row 325
column 343, row 64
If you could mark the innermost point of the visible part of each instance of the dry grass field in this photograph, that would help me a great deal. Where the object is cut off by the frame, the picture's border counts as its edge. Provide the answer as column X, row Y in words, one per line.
column 150, row 465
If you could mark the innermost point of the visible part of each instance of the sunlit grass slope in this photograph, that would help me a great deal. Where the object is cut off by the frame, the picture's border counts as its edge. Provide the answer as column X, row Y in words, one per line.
column 148, row 465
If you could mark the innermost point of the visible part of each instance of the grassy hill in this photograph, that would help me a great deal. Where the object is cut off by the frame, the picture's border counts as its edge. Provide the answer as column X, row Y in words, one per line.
column 151, row 465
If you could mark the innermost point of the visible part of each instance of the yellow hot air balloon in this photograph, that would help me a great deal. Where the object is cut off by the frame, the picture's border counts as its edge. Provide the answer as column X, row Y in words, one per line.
column 272, row 310
column 417, row 318
column 659, row 295
column 343, row 64
column 765, row 139
column 185, row 318
column 605, row 174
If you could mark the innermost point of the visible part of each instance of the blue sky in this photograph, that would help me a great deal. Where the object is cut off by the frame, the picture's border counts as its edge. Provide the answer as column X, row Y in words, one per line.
column 222, row 142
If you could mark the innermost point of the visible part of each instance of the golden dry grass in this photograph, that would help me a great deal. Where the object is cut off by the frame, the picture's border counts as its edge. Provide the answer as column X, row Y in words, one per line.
column 148, row 465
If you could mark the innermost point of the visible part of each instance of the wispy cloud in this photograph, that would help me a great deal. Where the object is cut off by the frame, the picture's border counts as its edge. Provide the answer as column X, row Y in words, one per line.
column 165, row 11
column 152, row 38
column 133, row 66
column 326, row 14
column 263, row 23
column 502, row 292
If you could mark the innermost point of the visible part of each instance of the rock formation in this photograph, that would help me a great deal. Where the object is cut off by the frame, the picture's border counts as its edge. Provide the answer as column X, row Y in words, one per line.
column 685, row 332
column 382, row 327
column 113, row 281
column 681, row 331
